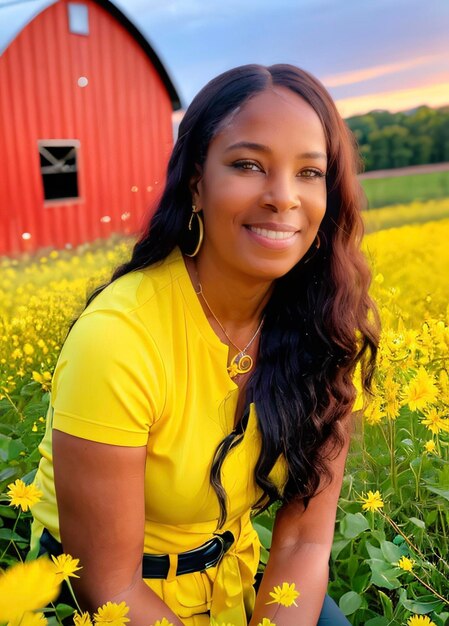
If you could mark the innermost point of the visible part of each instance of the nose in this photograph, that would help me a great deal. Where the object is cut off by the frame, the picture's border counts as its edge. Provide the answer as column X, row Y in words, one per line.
column 281, row 193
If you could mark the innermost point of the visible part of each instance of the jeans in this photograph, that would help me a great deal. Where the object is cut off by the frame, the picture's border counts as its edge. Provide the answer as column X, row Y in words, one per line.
column 331, row 614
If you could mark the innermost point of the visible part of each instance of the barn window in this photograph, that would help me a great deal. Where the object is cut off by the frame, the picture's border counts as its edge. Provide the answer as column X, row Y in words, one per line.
column 59, row 168
column 78, row 18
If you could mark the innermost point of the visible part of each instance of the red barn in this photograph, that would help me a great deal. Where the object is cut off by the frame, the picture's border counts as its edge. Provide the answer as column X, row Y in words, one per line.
column 85, row 123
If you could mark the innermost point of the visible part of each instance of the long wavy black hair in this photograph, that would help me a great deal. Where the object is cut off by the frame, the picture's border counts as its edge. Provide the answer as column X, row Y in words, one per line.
column 319, row 321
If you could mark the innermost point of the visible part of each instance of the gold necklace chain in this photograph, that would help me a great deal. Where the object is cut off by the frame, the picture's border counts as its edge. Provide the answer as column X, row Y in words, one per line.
column 242, row 363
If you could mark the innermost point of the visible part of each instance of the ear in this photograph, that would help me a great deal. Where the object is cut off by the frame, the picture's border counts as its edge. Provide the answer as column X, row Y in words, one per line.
column 195, row 185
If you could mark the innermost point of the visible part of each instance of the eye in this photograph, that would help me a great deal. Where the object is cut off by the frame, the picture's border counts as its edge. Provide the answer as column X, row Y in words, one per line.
column 311, row 172
column 247, row 165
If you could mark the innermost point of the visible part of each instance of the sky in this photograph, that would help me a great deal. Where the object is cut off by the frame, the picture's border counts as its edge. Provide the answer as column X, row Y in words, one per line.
column 370, row 54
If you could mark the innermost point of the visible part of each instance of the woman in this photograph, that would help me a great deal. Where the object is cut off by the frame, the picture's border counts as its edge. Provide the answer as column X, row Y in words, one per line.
column 213, row 374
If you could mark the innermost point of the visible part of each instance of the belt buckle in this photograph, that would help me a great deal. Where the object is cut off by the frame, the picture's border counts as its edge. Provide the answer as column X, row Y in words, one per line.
column 226, row 540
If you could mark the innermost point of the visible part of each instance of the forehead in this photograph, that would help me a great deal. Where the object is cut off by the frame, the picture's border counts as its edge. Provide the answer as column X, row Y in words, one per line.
column 276, row 115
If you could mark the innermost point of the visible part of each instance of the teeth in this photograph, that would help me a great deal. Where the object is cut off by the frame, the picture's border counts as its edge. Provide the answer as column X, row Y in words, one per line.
column 271, row 234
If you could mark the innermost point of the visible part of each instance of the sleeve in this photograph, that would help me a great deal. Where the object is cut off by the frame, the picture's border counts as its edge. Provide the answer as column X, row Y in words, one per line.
column 109, row 382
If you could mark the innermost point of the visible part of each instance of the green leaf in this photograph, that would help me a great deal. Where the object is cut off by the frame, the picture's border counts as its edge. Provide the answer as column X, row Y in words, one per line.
column 29, row 389
column 264, row 554
column 265, row 519
column 378, row 621
column 7, row 511
column 381, row 577
column 360, row 583
column 8, row 473
column 338, row 546
column 264, row 534
column 34, row 410
column 442, row 619
column 375, row 553
column 10, row 448
column 417, row 522
column 352, row 525
column 8, row 535
column 350, row 602
column 387, row 604
column 444, row 493
column 353, row 565
column 391, row 552
column 431, row 517
column 64, row 610
column 419, row 606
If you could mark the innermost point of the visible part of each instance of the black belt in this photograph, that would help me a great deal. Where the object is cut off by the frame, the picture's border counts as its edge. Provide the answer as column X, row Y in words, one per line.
column 158, row 565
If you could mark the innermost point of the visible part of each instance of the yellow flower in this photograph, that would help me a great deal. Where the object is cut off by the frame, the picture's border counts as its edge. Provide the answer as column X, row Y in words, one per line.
column 31, row 619
column 372, row 502
column 285, row 595
column 435, row 422
column 26, row 587
column 430, row 446
column 112, row 614
column 406, row 564
column 213, row 622
column 23, row 495
column 82, row 620
column 266, row 622
column 374, row 412
column 420, row 391
column 420, row 620
column 391, row 392
column 66, row 566
column 379, row 278
column 44, row 379
column 163, row 622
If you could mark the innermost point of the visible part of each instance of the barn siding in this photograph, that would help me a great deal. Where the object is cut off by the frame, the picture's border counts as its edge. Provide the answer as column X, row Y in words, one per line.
column 122, row 120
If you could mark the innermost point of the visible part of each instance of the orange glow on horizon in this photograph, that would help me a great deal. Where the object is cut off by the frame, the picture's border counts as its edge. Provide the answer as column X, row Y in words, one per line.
column 401, row 100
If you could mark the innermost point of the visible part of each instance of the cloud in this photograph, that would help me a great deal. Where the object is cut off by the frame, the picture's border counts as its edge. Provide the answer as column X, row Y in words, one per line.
column 400, row 100
column 368, row 73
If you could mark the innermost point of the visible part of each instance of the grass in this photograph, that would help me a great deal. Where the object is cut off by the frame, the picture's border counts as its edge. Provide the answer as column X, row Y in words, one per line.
column 403, row 189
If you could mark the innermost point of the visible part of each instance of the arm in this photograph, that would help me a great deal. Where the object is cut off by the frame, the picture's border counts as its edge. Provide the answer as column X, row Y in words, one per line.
column 99, row 490
column 300, row 550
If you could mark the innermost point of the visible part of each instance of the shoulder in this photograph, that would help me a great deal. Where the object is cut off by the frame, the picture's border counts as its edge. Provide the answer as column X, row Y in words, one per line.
column 137, row 288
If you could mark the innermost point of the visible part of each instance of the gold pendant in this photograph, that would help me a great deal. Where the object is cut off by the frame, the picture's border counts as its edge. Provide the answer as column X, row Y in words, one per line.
column 240, row 364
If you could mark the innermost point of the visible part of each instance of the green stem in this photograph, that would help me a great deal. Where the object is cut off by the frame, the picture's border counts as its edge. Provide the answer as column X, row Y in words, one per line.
column 391, row 446
column 403, row 535
column 21, row 416
column 56, row 614
column 69, row 585
column 443, row 523
column 431, row 589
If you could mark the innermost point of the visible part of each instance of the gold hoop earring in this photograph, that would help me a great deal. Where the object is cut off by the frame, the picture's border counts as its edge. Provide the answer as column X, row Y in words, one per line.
column 200, row 231
column 318, row 244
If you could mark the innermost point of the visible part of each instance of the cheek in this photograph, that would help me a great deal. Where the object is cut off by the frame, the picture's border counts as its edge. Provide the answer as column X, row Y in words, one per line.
column 317, row 204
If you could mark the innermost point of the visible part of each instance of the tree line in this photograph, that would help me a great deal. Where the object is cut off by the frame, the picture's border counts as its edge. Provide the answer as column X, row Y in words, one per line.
column 387, row 140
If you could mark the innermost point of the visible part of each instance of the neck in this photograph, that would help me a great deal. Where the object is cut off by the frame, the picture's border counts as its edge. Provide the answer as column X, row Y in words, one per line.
column 235, row 299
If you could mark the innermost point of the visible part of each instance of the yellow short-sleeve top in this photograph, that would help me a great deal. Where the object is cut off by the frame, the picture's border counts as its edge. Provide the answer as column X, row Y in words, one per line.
column 143, row 367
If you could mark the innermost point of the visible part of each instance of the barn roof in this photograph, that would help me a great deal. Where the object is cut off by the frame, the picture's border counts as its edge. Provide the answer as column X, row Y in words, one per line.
column 16, row 14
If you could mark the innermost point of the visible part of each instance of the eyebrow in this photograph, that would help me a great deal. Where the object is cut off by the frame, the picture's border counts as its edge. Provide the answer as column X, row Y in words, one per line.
column 261, row 148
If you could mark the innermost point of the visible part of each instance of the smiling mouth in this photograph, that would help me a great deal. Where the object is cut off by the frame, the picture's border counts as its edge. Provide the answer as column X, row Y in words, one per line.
column 271, row 234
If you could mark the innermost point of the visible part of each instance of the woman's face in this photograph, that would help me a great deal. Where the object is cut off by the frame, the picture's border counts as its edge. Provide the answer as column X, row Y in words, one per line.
column 262, row 188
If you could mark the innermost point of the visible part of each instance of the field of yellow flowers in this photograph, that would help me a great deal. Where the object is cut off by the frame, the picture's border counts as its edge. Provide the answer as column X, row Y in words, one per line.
column 390, row 555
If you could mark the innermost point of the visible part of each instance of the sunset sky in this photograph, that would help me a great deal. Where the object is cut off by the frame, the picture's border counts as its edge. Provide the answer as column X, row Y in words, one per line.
column 391, row 54
column 370, row 54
